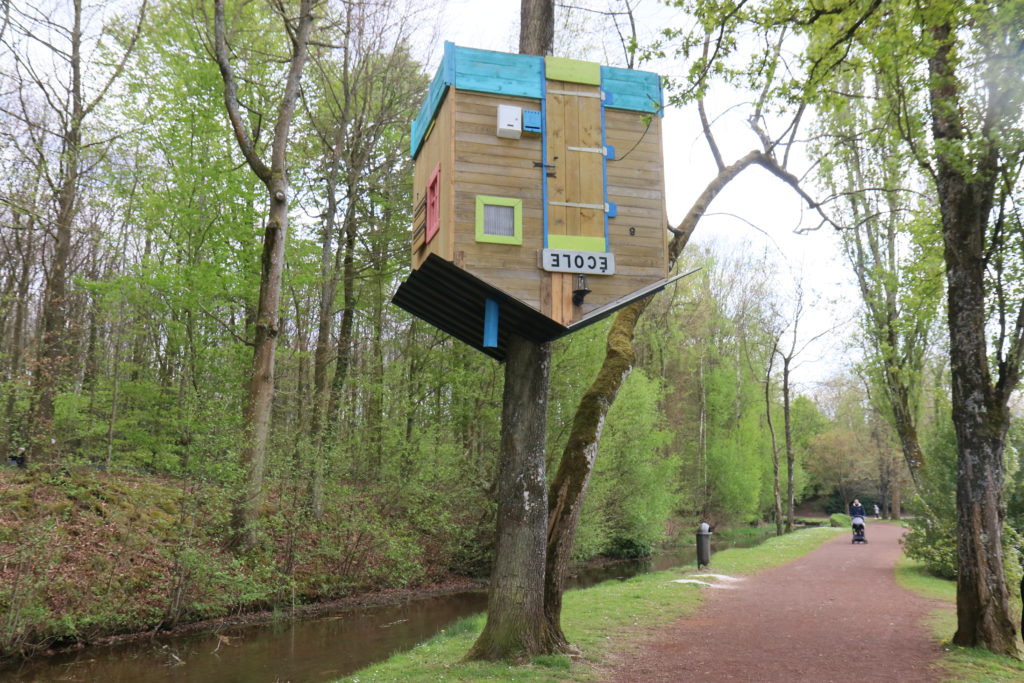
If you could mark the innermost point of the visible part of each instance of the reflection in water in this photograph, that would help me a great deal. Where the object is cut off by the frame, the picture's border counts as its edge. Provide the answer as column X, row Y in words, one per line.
column 321, row 649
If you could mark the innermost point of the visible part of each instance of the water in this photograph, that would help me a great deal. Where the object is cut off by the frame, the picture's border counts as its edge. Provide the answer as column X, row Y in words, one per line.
column 307, row 651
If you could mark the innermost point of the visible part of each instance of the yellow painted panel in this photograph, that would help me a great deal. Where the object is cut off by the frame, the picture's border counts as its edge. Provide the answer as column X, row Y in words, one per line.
column 572, row 70
column 576, row 242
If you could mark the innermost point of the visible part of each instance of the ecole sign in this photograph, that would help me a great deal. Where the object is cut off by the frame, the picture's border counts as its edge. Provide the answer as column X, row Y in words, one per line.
column 518, row 190
column 586, row 262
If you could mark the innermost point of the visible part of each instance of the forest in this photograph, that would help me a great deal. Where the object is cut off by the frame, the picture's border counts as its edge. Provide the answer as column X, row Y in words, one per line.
column 209, row 405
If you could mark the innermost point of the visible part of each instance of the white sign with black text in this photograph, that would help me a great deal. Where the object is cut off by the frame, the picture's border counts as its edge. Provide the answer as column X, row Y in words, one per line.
column 566, row 261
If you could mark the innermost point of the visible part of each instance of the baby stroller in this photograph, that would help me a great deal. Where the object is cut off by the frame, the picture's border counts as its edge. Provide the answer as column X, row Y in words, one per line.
column 858, row 530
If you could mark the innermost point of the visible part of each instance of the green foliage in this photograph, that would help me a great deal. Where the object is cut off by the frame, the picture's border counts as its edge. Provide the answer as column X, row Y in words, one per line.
column 633, row 490
column 839, row 519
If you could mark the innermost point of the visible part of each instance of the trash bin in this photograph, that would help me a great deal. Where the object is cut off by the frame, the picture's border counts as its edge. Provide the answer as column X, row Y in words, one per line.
column 703, row 545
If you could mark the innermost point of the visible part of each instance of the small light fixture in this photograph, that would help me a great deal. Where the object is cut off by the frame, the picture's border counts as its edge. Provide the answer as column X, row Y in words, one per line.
column 581, row 290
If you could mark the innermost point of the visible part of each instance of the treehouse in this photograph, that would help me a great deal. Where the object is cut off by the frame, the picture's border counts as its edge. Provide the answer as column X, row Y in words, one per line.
column 538, row 194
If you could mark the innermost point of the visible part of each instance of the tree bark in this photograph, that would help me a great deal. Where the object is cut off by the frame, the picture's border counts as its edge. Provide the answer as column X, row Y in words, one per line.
column 980, row 414
column 790, row 454
column 570, row 483
column 256, row 415
column 516, row 627
column 776, row 492
column 536, row 27
column 50, row 366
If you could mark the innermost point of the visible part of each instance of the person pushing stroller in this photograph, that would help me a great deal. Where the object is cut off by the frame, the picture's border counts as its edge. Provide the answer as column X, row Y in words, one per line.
column 857, row 515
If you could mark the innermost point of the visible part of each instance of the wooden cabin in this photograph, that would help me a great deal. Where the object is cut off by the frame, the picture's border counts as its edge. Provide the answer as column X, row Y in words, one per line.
column 539, row 201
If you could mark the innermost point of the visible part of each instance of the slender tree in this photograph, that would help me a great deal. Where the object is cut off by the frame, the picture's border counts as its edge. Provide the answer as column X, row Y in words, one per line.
column 275, row 178
column 71, row 100
column 569, row 485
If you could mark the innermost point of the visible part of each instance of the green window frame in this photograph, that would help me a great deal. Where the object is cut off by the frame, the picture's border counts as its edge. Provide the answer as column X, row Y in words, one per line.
column 482, row 235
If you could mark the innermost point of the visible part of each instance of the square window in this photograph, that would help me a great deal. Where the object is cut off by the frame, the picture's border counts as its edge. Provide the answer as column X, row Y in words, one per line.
column 499, row 220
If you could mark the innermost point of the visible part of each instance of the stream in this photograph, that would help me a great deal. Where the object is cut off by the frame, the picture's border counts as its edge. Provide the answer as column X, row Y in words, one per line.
column 313, row 650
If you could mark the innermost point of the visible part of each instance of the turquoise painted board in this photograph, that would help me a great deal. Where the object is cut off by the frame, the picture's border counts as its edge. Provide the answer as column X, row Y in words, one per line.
column 444, row 77
column 515, row 75
column 499, row 72
column 632, row 90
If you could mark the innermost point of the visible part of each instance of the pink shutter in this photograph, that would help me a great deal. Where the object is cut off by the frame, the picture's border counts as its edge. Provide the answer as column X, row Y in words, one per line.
column 434, row 203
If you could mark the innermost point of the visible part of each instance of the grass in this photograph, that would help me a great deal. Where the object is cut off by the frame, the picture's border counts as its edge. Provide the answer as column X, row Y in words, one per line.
column 599, row 620
column 959, row 663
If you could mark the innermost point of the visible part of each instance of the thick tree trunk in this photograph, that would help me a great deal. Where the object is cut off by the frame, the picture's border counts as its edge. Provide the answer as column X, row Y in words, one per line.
column 516, row 627
column 980, row 414
column 536, row 27
column 256, row 416
column 50, row 367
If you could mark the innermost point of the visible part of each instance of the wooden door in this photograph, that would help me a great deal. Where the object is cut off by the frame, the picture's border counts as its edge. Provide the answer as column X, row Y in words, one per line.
column 575, row 183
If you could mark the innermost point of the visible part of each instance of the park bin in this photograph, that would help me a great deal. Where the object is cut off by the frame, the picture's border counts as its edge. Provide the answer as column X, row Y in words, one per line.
column 703, row 545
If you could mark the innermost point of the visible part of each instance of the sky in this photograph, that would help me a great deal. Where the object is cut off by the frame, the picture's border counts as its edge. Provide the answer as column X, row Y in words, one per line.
column 756, row 211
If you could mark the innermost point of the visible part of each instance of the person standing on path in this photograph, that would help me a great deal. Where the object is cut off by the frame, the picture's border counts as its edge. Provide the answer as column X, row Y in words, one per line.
column 877, row 512
column 856, row 509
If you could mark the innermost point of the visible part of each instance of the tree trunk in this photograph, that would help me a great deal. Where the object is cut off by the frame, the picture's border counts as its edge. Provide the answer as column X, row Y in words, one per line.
column 980, row 414
column 256, row 416
column 257, row 412
column 790, row 454
column 571, row 480
column 50, row 367
column 516, row 627
column 329, row 268
column 776, row 492
column 570, row 484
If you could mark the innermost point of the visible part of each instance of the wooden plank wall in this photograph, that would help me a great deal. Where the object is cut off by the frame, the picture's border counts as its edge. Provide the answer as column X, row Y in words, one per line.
column 437, row 147
column 636, row 183
column 463, row 138
column 488, row 165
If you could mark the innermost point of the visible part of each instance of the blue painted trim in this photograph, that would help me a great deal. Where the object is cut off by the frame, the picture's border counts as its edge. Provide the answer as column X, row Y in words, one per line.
column 448, row 62
column 492, row 311
column 487, row 71
column 632, row 90
column 544, row 153
column 500, row 73
column 444, row 77
column 604, row 175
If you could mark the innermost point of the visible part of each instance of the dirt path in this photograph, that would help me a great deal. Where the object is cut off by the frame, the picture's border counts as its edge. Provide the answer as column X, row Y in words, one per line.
column 835, row 614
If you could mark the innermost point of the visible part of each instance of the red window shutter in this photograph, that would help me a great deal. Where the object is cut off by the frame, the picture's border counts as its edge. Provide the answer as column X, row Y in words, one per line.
column 433, row 203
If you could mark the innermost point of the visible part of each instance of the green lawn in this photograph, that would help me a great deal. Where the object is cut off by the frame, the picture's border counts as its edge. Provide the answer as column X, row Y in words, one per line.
column 598, row 620
column 959, row 663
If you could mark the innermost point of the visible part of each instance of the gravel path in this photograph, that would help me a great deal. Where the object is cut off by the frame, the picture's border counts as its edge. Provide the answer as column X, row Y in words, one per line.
column 835, row 614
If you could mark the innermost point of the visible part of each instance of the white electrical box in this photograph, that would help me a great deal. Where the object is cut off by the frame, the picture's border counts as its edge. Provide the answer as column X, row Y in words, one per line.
column 510, row 121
